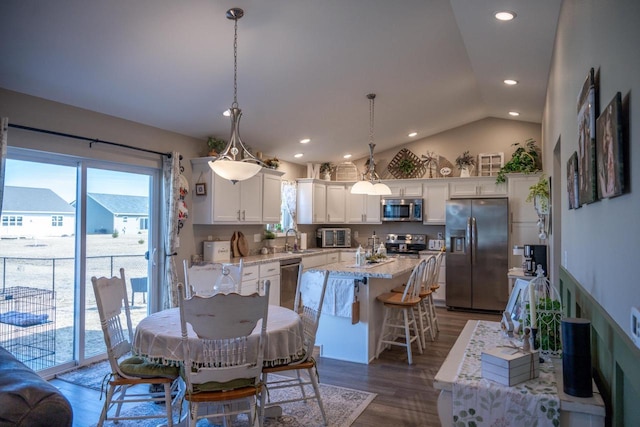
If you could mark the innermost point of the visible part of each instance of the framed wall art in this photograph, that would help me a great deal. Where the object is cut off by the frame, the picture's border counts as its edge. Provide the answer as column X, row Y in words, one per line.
column 572, row 181
column 609, row 150
column 587, row 140
column 201, row 189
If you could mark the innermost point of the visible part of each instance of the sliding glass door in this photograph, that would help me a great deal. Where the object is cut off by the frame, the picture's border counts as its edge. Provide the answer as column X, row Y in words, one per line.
column 65, row 220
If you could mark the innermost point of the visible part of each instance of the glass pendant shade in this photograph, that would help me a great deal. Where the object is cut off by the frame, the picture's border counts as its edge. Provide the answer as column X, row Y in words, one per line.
column 381, row 189
column 234, row 170
column 363, row 187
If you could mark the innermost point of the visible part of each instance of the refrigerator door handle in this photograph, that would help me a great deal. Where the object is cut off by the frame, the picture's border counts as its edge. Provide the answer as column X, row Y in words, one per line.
column 474, row 240
column 467, row 237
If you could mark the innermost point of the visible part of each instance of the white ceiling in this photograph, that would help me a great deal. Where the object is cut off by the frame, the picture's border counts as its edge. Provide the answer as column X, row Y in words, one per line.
column 304, row 66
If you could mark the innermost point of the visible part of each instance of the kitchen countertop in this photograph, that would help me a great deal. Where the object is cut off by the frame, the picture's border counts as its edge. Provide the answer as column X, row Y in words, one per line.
column 387, row 270
column 279, row 256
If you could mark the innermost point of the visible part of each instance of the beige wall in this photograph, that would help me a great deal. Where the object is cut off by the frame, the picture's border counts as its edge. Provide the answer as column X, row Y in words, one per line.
column 599, row 243
column 489, row 135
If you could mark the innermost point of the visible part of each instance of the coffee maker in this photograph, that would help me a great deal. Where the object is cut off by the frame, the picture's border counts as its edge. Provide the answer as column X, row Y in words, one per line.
column 535, row 255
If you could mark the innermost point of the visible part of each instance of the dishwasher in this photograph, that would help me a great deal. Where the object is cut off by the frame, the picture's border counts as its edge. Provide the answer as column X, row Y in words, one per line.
column 289, row 269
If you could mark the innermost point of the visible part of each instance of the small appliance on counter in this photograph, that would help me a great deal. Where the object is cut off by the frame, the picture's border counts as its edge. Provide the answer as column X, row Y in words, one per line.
column 216, row 251
column 535, row 255
column 333, row 237
column 436, row 244
column 405, row 244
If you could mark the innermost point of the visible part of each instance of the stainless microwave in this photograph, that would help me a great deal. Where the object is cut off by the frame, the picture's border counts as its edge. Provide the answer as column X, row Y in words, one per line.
column 333, row 237
column 398, row 209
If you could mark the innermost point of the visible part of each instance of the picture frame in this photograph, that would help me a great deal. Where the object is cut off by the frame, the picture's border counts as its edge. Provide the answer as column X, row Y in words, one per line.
column 201, row 189
column 587, row 141
column 572, row 181
column 610, row 150
column 514, row 306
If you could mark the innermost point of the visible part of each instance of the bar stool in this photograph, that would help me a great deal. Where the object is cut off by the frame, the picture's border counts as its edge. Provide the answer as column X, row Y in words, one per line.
column 434, row 287
column 399, row 315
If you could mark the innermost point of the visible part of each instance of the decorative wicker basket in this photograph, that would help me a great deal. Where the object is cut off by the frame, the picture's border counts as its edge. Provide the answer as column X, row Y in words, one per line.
column 405, row 164
column 346, row 171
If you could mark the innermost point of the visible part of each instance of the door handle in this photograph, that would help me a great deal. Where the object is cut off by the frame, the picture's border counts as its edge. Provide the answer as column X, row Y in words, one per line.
column 238, row 214
column 467, row 237
column 474, row 240
column 244, row 215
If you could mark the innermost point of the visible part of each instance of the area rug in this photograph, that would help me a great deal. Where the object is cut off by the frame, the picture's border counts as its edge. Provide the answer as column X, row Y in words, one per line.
column 342, row 405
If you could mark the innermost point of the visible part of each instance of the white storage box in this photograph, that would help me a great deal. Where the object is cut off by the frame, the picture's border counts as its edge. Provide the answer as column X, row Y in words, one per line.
column 509, row 366
column 219, row 251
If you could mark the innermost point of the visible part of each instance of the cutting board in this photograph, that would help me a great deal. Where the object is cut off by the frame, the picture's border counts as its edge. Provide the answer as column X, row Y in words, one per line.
column 234, row 244
column 243, row 245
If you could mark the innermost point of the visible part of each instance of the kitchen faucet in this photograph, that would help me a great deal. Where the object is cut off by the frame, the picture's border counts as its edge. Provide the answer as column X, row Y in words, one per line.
column 287, row 247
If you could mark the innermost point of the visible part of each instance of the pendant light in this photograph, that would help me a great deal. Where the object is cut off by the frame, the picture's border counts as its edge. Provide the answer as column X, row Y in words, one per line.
column 235, row 163
column 367, row 185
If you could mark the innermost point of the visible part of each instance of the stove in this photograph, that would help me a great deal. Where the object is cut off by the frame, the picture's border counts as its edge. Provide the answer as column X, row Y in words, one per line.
column 405, row 244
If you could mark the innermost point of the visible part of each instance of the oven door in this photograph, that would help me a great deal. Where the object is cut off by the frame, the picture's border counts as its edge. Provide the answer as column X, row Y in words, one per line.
column 328, row 238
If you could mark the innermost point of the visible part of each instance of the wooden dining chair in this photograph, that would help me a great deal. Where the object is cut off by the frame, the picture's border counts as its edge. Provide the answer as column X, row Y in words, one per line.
column 201, row 279
column 126, row 373
column 227, row 374
column 399, row 317
column 309, row 299
column 434, row 287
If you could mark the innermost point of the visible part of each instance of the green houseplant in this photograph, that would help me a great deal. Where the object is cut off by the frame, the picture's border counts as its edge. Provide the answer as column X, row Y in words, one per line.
column 269, row 236
column 326, row 169
column 407, row 166
column 216, row 145
column 539, row 194
column 465, row 162
column 525, row 159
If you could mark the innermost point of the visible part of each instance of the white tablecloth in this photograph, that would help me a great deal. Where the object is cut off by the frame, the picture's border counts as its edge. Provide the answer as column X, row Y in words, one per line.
column 158, row 337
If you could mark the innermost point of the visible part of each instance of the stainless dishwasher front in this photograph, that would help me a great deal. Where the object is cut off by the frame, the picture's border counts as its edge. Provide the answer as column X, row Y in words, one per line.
column 289, row 269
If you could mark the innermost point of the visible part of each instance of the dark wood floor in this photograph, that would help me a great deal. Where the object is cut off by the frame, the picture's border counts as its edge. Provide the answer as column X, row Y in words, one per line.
column 406, row 396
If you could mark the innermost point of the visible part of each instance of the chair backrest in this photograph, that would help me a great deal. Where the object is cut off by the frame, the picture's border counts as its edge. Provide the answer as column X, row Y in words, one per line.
column 226, row 346
column 412, row 290
column 113, row 309
column 200, row 279
column 310, row 292
column 436, row 275
column 430, row 272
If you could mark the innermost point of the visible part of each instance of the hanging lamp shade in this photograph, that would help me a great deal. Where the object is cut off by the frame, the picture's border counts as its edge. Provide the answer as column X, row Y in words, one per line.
column 367, row 185
column 235, row 163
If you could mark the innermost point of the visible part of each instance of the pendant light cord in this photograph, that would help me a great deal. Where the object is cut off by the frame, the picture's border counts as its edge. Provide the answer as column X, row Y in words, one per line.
column 235, row 64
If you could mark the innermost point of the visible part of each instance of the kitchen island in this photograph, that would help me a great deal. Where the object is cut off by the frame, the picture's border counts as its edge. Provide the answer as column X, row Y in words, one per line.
column 337, row 337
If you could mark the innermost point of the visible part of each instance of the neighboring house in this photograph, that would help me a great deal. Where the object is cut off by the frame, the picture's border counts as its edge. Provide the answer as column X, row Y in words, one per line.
column 35, row 212
column 107, row 213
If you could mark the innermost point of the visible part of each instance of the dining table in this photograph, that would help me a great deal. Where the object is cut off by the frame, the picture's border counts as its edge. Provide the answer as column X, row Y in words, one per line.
column 158, row 337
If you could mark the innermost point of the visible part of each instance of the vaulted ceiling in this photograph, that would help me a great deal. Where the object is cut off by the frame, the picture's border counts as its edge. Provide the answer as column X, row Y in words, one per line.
column 304, row 66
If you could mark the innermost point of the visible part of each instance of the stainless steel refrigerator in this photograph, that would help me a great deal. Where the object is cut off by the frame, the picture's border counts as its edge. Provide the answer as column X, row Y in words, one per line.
column 477, row 239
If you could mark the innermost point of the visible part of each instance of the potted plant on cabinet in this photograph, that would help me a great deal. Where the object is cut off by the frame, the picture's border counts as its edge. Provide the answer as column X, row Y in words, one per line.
column 269, row 237
column 526, row 159
column 326, row 169
column 465, row 162
column 216, row 145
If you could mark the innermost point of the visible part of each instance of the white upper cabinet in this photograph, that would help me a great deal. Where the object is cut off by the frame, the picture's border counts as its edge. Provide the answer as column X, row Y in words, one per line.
column 476, row 187
column 362, row 208
column 435, row 202
column 403, row 188
column 312, row 202
column 271, row 197
column 336, row 204
column 228, row 203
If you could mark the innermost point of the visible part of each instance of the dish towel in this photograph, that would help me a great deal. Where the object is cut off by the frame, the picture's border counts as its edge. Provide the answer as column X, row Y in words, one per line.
column 338, row 297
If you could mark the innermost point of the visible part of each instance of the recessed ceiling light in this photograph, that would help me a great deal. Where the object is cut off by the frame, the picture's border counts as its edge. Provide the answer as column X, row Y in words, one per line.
column 226, row 113
column 510, row 82
column 505, row 15
column 305, row 141
column 297, row 156
column 514, row 113
column 412, row 134
column 347, row 156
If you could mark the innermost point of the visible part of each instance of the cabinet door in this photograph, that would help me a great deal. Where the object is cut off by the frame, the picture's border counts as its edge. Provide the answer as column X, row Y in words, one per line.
column 372, row 209
column 319, row 203
column 465, row 187
column 201, row 209
column 271, row 199
column 405, row 189
column 251, row 199
column 354, row 207
column 336, row 204
column 488, row 187
column 226, row 200
column 436, row 196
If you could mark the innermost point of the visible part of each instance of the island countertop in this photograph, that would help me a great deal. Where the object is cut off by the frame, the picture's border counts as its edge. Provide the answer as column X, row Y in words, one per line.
column 394, row 267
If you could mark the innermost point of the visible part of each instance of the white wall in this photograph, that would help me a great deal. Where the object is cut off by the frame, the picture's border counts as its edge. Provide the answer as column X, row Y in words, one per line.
column 601, row 240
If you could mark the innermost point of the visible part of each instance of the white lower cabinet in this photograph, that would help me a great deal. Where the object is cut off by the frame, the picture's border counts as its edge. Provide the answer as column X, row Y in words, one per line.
column 253, row 277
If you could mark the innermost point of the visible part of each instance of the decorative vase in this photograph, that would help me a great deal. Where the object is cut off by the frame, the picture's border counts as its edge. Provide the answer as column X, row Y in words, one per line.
column 465, row 172
column 269, row 242
column 326, row 176
column 541, row 204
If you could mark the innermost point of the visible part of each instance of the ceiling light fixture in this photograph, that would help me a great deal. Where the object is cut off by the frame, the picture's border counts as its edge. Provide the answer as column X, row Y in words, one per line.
column 514, row 113
column 367, row 185
column 510, row 82
column 297, row 156
column 412, row 134
column 346, row 156
column 505, row 15
column 225, row 164
column 305, row 141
